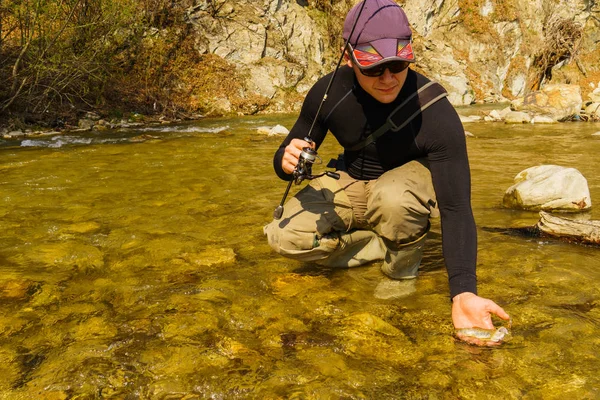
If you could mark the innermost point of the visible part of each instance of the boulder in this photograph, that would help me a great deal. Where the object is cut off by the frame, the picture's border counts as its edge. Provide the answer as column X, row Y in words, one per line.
column 595, row 95
column 85, row 124
column 517, row 117
column 559, row 102
column 494, row 115
column 549, row 188
column 593, row 110
column 274, row 131
column 278, row 130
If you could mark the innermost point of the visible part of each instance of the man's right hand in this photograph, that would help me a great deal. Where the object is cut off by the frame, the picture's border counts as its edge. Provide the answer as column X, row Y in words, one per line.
column 292, row 153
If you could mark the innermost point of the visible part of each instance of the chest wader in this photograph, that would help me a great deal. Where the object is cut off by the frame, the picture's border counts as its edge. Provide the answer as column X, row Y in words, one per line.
column 318, row 224
column 402, row 260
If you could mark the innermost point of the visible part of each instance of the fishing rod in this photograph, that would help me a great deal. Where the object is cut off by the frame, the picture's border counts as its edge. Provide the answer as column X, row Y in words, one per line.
column 308, row 156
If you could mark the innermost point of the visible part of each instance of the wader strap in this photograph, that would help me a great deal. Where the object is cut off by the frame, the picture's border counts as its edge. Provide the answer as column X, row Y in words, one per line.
column 406, row 112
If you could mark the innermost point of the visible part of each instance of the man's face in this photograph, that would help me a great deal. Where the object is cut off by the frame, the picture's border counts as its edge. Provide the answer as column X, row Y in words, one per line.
column 384, row 88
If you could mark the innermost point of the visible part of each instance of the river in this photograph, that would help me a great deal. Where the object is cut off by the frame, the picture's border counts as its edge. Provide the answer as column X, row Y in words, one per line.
column 133, row 265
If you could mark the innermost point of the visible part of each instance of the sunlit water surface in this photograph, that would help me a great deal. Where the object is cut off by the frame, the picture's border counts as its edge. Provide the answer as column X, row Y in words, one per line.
column 133, row 265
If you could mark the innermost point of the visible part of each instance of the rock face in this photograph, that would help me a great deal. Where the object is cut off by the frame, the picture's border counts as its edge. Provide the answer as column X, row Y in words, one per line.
column 275, row 45
column 558, row 102
column 549, row 188
column 481, row 53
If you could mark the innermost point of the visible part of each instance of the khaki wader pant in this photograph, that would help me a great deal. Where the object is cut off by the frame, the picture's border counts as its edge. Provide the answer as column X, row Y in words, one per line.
column 348, row 222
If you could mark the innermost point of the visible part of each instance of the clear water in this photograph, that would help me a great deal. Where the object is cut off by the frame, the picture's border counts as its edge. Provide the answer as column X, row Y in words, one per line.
column 133, row 265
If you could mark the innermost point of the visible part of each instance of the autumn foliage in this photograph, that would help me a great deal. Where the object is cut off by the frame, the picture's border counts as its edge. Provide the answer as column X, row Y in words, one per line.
column 62, row 57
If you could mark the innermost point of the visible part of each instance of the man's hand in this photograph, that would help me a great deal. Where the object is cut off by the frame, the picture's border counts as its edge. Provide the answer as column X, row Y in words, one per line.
column 470, row 310
column 292, row 153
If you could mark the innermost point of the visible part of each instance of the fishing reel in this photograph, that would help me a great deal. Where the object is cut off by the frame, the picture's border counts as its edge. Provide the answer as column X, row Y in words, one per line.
column 303, row 171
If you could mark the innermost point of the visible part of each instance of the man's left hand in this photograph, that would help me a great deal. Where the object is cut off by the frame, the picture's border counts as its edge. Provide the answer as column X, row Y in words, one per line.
column 470, row 310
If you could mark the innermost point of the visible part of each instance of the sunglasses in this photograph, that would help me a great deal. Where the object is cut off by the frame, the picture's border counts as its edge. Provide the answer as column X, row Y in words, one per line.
column 394, row 67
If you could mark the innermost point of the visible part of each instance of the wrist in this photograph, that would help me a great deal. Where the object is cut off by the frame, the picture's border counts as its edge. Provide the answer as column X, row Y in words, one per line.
column 463, row 296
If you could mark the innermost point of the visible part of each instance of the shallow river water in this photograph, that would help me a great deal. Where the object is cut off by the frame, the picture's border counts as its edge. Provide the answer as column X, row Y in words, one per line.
column 133, row 266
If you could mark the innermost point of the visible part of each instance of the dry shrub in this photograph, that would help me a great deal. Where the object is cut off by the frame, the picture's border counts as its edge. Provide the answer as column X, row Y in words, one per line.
column 561, row 42
column 334, row 14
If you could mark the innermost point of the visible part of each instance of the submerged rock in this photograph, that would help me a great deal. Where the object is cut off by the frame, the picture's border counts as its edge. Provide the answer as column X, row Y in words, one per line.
column 16, row 289
column 291, row 285
column 212, row 255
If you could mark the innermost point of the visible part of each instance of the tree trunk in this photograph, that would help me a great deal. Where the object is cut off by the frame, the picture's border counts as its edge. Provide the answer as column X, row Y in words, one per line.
column 579, row 231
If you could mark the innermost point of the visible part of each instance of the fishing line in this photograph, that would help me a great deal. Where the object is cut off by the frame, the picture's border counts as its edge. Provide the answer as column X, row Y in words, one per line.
column 308, row 155
column 336, row 69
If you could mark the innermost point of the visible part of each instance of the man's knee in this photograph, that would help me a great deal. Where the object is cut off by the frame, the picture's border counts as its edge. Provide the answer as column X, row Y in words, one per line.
column 300, row 245
column 399, row 200
column 283, row 237
column 401, row 203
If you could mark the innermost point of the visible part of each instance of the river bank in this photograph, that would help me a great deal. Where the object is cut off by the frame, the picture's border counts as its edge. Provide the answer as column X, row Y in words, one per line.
column 252, row 57
column 551, row 104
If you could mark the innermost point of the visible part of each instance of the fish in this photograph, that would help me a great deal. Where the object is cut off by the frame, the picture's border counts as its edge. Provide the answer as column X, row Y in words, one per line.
column 486, row 335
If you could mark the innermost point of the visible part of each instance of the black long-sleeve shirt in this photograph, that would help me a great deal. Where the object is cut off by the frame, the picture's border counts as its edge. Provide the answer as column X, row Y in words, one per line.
column 351, row 115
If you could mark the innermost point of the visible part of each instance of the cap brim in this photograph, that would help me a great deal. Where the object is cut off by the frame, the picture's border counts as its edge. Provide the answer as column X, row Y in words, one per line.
column 380, row 51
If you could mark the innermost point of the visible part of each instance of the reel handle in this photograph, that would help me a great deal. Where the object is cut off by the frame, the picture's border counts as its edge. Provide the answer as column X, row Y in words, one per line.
column 302, row 171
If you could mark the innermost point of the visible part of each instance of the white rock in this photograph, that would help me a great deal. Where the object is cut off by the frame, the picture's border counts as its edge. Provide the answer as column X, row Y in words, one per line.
column 272, row 131
column 495, row 115
column 263, row 130
column 549, row 187
column 469, row 134
column 542, row 119
column 593, row 110
column 278, row 130
column 469, row 118
column 517, row 117
column 595, row 95
column 505, row 111
column 596, row 134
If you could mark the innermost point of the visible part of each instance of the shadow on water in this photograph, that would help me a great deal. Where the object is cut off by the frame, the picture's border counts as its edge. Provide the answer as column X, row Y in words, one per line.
column 133, row 265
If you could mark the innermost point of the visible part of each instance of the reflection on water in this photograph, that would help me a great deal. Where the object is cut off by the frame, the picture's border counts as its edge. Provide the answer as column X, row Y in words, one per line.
column 133, row 265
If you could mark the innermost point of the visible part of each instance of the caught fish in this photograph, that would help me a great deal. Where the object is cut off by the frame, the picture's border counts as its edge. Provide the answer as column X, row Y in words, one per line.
column 486, row 335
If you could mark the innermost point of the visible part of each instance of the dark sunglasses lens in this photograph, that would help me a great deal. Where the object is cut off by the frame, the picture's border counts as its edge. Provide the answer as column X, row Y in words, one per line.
column 394, row 67
column 377, row 71
column 398, row 67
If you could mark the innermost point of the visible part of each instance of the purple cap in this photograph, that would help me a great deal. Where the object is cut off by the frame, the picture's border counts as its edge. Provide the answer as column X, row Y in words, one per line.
column 382, row 32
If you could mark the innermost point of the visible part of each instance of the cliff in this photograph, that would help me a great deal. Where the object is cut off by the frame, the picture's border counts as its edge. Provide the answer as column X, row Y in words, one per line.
column 480, row 50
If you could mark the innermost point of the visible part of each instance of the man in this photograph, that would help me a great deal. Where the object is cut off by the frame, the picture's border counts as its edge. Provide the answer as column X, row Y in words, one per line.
column 391, row 184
